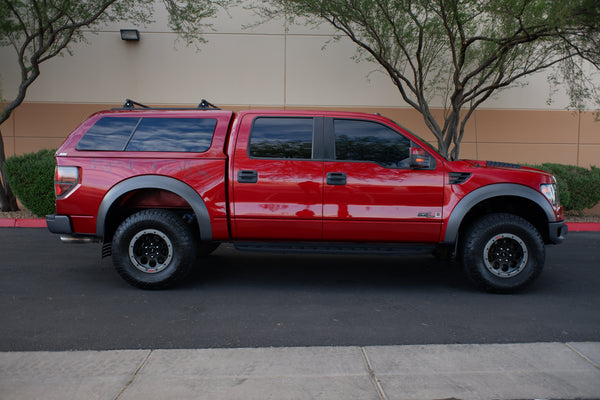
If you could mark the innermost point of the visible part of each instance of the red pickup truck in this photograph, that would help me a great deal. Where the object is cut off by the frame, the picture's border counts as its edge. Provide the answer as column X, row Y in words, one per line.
column 161, row 187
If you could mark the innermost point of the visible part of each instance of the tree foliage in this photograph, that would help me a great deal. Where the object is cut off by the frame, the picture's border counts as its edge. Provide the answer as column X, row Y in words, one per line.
column 463, row 51
column 39, row 30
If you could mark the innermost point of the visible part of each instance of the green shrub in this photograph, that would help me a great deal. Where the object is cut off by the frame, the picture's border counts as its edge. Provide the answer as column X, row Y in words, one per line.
column 579, row 188
column 31, row 177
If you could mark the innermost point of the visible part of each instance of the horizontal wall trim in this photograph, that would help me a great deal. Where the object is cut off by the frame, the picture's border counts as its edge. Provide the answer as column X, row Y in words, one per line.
column 556, row 136
column 366, row 108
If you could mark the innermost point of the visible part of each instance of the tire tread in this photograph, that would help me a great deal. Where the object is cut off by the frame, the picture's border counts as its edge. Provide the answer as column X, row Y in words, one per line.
column 182, row 235
column 491, row 225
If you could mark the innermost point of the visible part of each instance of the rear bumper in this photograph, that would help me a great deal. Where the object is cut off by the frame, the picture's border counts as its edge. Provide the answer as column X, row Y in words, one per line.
column 59, row 224
column 557, row 232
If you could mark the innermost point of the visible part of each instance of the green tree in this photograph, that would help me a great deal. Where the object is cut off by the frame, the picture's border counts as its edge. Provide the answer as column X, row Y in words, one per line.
column 463, row 51
column 39, row 30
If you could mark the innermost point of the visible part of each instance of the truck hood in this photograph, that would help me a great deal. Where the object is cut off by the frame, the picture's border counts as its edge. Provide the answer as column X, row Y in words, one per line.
column 495, row 165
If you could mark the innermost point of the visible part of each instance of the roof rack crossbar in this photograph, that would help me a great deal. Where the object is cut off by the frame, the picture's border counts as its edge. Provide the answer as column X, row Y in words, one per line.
column 204, row 105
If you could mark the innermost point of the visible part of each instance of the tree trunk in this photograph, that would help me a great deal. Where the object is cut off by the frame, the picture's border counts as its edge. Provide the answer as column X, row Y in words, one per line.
column 8, row 202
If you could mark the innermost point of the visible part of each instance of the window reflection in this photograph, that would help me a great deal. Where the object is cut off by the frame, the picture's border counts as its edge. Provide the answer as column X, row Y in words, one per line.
column 282, row 138
column 152, row 134
column 109, row 133
column 370, row 141
column 173, row 134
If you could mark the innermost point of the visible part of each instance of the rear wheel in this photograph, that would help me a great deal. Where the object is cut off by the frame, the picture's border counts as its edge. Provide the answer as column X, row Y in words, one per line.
column 154, row 249
column 502, row 253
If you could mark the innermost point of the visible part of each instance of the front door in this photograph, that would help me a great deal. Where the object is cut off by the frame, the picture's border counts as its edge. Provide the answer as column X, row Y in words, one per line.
column 370, row 191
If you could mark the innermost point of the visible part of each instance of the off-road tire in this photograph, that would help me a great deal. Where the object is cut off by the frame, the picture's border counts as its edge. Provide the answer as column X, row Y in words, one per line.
column 154, row 249
column 502, row 253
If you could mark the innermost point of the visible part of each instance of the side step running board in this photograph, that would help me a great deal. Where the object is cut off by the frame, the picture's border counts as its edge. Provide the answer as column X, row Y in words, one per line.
column 392, row 249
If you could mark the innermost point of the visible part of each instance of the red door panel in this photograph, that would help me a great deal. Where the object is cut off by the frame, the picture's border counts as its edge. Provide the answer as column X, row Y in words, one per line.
column 275, row 199
column 381, row 204
column 284, row 203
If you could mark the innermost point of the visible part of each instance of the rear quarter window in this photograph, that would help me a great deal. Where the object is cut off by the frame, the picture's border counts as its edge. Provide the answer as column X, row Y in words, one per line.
column 109, row 133
column 149, row 134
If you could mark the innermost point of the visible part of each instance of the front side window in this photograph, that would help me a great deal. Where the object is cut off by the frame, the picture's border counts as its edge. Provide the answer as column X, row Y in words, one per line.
column 357, row 140
column 289, row 138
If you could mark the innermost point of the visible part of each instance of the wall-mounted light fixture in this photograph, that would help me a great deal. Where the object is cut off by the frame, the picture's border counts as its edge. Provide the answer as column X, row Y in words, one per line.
column 130, row 34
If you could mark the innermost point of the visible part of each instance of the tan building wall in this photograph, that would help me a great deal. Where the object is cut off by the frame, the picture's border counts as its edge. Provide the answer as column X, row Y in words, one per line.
column 272, row 66
column 502, row 135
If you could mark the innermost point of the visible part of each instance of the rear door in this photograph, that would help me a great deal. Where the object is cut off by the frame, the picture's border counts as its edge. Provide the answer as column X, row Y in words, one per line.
column 277, row 178
column 370, row 193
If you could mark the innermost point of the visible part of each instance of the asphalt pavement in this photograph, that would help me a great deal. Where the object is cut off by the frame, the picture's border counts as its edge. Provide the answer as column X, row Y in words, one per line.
column 60, row 297
column 277, row 365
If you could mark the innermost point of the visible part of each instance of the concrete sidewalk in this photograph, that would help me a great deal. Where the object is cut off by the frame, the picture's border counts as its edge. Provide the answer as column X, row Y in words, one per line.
column 500, row 371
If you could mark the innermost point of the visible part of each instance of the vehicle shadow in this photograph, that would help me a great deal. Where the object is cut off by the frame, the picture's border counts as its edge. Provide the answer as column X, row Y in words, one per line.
column 228, row 266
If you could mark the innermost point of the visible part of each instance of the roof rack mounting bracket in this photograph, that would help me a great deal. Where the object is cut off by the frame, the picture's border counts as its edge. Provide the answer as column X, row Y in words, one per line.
column 205, row 105
column 130, row 104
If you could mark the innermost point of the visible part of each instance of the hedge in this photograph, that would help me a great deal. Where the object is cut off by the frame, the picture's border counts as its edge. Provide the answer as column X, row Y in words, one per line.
column 31, row 177
column 578, row 187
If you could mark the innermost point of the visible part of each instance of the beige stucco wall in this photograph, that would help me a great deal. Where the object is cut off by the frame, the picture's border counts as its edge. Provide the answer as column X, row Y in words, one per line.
column 521, row 136
column 272, row 66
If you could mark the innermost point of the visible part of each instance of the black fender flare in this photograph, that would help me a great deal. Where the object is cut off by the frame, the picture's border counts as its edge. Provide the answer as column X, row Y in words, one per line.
column 156, row 182
column 487, row 192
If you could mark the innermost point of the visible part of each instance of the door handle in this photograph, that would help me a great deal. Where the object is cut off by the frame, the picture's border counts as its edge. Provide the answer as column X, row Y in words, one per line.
column 336, row 178
column 247, row 176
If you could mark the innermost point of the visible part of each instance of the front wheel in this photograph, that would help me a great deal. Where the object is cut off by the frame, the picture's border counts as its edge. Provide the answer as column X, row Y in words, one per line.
column 154, row 249
column 502, row 253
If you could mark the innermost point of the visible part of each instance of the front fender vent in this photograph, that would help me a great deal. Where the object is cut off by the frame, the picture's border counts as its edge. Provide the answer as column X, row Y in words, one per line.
column 502, row 164
column 457, row 178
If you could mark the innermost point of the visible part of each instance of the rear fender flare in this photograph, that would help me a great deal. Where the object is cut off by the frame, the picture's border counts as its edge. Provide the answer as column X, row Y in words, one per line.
column 156, row 182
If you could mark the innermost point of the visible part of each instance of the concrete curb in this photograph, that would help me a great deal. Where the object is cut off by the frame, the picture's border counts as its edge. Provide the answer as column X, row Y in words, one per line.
column 22, row 223
column 583, row 226
column 41, row 223
column 466, row 371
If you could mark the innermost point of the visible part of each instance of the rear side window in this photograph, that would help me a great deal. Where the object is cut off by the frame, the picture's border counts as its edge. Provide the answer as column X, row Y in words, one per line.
column 109, row 133
column 290, row 138
column 150, row 134
column 357, row 140
column 173, row 134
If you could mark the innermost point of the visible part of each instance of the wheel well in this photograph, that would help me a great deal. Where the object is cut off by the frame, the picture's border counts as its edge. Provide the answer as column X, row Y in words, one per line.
column 141, row 199
column 520, row 206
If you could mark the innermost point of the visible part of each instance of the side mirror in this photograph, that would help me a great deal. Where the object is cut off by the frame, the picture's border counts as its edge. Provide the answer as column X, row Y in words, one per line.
column 419, row 159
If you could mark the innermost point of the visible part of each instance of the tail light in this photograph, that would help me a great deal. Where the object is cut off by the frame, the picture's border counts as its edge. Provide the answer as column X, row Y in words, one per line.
column 66, row 180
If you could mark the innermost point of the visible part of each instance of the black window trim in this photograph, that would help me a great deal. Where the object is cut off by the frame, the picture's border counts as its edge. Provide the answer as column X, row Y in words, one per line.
column 132, row 134
column 318, row 145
